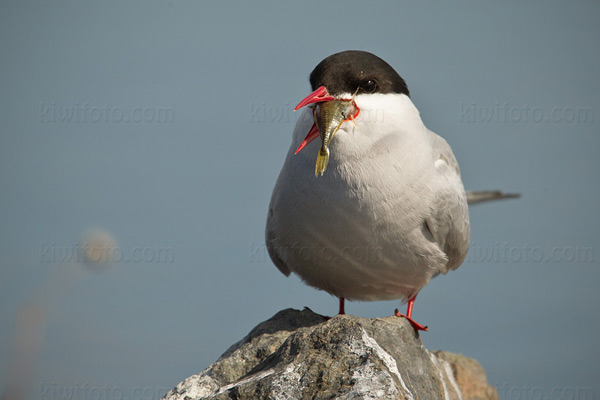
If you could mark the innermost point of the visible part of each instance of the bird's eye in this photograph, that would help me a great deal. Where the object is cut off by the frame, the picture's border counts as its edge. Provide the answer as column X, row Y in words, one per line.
column 370, row 86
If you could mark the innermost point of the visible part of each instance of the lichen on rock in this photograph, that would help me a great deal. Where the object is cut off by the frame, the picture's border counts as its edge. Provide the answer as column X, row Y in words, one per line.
column 301, row 355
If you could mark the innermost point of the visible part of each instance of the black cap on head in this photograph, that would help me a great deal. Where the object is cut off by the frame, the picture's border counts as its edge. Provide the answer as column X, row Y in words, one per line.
column 350, row 70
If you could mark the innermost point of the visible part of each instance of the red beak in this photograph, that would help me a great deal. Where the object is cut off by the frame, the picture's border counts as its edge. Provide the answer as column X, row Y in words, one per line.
column 312, row 135
column 317, row 96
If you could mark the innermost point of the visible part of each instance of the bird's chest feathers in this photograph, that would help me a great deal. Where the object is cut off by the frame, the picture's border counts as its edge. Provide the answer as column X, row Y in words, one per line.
column 378, row 188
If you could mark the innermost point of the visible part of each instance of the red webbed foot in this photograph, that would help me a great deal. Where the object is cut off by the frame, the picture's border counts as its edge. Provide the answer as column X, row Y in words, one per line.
column 417, row 326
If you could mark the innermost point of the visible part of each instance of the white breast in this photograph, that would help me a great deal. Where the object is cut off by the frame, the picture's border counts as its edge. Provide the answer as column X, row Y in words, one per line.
column 358, row 231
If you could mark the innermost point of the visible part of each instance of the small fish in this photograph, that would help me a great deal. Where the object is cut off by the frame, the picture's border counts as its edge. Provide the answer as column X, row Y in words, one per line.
column 329, row 116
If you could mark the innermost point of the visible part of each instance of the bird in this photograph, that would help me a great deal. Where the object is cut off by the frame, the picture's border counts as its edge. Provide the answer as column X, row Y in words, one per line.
column 384, row 209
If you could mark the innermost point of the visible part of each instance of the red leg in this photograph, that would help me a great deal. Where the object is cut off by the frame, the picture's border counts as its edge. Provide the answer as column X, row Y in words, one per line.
column 409, row 309
column 341, row 312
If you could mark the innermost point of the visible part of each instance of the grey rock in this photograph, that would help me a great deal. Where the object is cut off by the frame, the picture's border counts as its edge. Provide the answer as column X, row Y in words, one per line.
column 301, row 355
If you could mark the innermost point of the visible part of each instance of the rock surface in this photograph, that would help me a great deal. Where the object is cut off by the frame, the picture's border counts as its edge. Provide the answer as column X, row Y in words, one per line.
column 300, row 355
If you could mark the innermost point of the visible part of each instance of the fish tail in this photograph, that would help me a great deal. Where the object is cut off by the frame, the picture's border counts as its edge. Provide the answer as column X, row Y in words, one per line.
column 322, row 161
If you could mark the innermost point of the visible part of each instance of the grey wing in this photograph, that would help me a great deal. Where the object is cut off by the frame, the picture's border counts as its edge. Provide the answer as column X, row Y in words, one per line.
column 272, row 245
column 449, row 220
